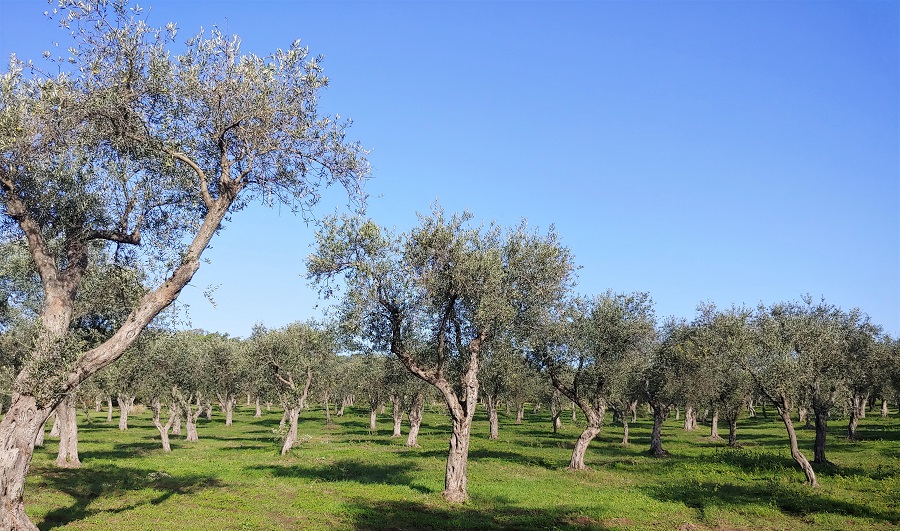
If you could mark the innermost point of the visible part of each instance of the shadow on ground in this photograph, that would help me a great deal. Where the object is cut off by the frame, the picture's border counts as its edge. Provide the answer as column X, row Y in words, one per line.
column 87, row 484
column 369, row 515
column 798, row 500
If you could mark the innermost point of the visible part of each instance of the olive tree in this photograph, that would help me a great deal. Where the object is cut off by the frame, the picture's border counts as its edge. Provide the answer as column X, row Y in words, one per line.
column 775, row 368
column 292, row 355
column 437, row 296
column 723, row 339
column 595, row 353
column 130, row 148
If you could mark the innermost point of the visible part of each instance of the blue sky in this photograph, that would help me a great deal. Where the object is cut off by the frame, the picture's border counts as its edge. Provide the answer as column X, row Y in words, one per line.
column 733, row 152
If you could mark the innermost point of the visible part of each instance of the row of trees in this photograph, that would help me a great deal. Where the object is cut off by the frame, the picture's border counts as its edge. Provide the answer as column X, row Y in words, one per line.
column 462, row 307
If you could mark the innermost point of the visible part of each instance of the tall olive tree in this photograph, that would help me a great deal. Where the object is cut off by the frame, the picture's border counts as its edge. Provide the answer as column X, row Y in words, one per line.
column 133, row 149
column 438, row 295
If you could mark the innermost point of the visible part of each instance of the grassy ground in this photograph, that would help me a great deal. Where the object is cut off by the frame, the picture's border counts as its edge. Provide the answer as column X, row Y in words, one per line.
column 346, row 478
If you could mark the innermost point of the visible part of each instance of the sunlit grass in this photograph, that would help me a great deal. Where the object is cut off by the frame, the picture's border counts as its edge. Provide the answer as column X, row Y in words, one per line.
column 343, row 477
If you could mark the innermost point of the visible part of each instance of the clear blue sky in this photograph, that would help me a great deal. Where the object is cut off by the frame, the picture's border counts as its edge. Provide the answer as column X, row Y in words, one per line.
column 733, row 152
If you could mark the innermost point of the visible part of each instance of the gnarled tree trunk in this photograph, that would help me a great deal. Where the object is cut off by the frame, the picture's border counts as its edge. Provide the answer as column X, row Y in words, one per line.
column 520, row 412
column 126, row 402
column 490, row 403
column 595, row 419
column 416, row 409
column 290, row 439
column 68, row 433
column 857, row 411
column 258, row 413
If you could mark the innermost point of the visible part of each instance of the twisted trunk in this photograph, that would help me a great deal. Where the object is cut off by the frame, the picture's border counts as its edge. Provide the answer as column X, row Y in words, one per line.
column 416, row 409
column 258, row 412
column 732, row 432
column 290, row 439
column 784, row 411
column 595, row 419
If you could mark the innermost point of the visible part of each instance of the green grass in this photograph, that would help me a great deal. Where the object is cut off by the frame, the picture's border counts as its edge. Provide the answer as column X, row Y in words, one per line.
column 346, row 478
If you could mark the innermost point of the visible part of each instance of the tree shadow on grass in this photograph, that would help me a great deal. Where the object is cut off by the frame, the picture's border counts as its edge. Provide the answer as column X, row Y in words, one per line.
column 799, row 501
column 88, row 484
column 349, row 470
column 370, row 515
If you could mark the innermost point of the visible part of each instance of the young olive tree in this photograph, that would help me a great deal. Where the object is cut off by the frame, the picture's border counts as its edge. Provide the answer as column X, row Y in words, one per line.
column 131, row 148
column 437, row 296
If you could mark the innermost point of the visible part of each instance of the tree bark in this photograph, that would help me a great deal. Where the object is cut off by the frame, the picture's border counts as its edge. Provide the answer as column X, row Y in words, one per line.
column 714, row 426
column 520, row 412
column 493, row 422
column 821, row 435
column 784, row 411
column 176, row 427
column 373, row 413
column 109, row 408
column 660, row 413
column 162, row 428
column 290, row 439
column 126, row 402
column 18, row 433
column 68, row 433
column 732, row 432
column 191, row 418
column 595, row 419
column 689, row 422
column 258, row 413
column 416, row 409
column 228, row 402
column 397, row 414
column 625, row 431
column 54, row 428
column 857, row 411
column 884, row 407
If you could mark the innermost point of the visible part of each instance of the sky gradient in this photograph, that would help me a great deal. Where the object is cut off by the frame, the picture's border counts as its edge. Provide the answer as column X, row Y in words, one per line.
column 732, row 152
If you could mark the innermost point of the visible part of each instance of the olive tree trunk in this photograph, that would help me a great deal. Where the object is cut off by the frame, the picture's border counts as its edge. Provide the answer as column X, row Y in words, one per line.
column 290, row 439
column 397, row 414
column 109, row 408
column 660, row 412
column 126, row 403
column 163, row 428
column 258, row 413
column 68, row 434
column 494, row 424
column 857, row 411
column 784, row 412
column 595, row 420
column 714, row 426
column 416, row 409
